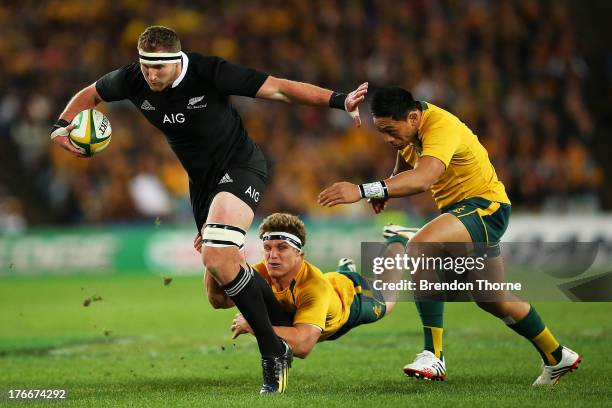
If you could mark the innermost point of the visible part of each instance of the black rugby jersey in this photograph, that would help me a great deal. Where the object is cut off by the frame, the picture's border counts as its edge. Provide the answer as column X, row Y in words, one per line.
column 201, row 126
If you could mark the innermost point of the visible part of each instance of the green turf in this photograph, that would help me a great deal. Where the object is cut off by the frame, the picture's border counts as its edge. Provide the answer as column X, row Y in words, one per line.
column 146, row 344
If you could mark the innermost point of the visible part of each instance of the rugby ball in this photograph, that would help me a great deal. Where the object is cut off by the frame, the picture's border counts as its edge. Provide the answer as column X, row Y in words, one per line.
column 92, row 131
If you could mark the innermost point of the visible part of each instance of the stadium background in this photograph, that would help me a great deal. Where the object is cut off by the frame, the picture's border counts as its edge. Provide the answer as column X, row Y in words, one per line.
column 533, row 79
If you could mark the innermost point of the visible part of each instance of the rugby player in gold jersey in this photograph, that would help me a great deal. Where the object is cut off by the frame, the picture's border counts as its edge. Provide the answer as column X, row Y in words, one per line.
column 446, row 158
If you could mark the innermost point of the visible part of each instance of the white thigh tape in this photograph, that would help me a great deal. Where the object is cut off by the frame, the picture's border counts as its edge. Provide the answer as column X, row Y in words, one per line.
column 222, row 235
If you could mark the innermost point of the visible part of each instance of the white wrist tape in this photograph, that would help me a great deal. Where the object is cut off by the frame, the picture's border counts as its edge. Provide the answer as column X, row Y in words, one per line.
column 60, row 131
column 377, row 189
column 354, row 112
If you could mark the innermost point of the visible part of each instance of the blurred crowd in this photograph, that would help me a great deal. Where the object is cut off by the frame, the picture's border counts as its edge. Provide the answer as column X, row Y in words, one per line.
column 511, row 70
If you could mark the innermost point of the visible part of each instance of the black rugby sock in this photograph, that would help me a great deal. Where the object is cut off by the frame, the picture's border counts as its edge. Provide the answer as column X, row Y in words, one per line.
column 277, row 314
column 246, row 294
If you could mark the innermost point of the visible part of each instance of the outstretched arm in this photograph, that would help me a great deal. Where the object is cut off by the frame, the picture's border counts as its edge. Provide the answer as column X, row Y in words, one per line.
column 285, row 90
column 427, row 170
column 425, row 173
column 87, row 98
column 301, row 337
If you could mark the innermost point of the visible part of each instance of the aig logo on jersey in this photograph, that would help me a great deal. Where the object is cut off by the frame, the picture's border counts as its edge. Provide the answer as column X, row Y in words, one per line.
column 174, row 118
column 254, row 194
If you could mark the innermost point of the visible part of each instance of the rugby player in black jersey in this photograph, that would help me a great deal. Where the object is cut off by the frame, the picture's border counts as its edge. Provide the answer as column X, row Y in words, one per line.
column 186, row 96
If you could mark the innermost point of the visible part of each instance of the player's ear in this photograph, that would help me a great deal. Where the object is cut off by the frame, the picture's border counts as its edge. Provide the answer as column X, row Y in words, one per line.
column 413, row 117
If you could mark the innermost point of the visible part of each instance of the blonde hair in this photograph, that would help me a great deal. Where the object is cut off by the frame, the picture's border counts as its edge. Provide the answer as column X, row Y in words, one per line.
column 157, row 38
column 283, row 222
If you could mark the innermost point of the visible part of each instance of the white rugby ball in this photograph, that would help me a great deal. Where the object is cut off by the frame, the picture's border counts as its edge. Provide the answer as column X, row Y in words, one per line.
column 92, row 131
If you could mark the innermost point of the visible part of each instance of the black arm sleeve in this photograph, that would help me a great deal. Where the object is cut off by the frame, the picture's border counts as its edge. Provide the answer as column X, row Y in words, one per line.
column 114, row 85
column 233, row 79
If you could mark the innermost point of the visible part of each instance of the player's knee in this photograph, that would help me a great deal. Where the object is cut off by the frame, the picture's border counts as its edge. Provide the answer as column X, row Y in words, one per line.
column 220, row 249
column 494, row 308
column 421, row 236
column 422, row 242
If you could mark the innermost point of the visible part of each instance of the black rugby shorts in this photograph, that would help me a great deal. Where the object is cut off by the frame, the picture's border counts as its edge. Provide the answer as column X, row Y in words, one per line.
column 246, row 180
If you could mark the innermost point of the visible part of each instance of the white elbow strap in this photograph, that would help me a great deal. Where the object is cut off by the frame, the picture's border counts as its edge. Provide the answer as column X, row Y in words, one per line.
column 223, row 235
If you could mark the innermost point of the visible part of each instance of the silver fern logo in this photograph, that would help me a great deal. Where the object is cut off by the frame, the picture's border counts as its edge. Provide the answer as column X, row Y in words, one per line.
column 193, row 103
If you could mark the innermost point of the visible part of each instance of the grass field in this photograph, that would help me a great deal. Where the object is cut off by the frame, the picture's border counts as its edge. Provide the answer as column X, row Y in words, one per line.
column 147, row 344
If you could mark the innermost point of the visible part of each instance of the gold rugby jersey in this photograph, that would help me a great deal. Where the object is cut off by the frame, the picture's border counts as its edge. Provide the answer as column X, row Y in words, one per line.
column 469, row 172
column 323, row 300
